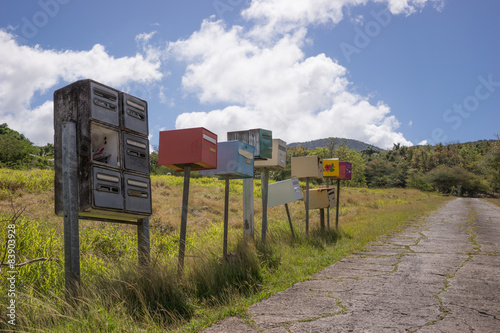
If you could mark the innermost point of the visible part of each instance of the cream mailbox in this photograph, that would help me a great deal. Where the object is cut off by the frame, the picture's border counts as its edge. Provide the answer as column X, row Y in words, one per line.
column 278, row 159
column 234, row 160
column 307, row 167
column 261, row 139
column 194, row 147
column 112, row 151
column 283, row 192
column 320, row 198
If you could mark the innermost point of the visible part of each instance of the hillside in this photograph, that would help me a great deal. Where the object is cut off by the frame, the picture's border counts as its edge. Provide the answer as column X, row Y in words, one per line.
column 350, row 143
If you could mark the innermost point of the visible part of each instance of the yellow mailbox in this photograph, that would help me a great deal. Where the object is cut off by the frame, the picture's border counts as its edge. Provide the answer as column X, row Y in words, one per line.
column 331, row 167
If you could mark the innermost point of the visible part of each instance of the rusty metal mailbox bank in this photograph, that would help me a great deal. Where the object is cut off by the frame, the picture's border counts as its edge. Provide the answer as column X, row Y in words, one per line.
column 234, row 160
column 278, row 158
column 261, row 139
column 112, row 151
column 194, row 147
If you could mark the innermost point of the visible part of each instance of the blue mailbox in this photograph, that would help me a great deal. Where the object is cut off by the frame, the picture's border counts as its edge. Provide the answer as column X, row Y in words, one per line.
column 234, row 159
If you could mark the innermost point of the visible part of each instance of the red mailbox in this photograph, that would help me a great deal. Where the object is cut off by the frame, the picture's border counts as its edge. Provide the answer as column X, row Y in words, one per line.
column 345, row 169
column 194, row 147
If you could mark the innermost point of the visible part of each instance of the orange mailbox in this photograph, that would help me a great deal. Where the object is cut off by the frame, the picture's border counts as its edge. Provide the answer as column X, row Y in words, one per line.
column 194, row 147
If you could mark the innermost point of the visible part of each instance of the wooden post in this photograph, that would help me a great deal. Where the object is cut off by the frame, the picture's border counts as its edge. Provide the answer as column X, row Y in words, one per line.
column 337, row 210
column 226, row 218
column 289, row 220
column 322, row 219
column 70, row 205
column 248, row 208
column 182, row 236
column 143, row 242
column 307, row 206
column 264, row 187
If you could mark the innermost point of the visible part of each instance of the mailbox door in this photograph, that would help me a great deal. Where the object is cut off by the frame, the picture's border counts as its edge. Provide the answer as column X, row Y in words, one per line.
column 135, row 153
column 208, row 149
column 107, row 188
column 104, row 104
column 135, row 114
column 281, row 154
column 266, row 143
column 105, row 145
column 137, row 191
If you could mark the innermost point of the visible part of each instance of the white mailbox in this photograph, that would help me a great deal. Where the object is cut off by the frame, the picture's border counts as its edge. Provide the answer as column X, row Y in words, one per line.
column 284, row 192
column 278, row 159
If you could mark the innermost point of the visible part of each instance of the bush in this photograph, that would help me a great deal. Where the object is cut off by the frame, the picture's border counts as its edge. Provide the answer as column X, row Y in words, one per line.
column 456, row 179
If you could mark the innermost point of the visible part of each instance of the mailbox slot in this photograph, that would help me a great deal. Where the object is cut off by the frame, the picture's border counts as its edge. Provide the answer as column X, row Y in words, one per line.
column 105, row 145
column 136, row 157
column 234, row 160
column 104, row 104
column 135, row 114
column 137, row 194
column 107, row 188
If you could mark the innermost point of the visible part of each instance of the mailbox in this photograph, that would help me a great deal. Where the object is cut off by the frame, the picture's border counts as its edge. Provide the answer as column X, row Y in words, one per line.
column 330, row 167
column 261, row 139
column 345, row 171
column 234, row 159
column 194, row 147
column 278, row 159
column 284, row 192
column 137, row 193
column 135, row 153
column 307, row 167
column 112, row 145
column 321, row 198
column 135, row 114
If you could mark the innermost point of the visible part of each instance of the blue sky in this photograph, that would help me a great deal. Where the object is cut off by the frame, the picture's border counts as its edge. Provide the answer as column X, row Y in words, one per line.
column 381, row 71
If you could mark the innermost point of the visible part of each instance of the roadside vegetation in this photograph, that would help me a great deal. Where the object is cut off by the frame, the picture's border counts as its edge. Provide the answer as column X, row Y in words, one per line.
column 118, row 296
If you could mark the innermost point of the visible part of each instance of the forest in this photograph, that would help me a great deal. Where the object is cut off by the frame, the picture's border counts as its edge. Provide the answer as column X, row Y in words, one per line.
column 463, row 169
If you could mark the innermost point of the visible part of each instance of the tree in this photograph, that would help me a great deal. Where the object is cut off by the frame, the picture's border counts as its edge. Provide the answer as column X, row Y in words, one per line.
column 15, row 150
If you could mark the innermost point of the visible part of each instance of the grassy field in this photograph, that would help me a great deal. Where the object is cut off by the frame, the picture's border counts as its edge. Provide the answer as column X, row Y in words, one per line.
column 118, row 297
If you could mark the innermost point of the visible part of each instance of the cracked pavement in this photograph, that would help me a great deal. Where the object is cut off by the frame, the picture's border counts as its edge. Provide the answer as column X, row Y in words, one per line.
column 439, row 275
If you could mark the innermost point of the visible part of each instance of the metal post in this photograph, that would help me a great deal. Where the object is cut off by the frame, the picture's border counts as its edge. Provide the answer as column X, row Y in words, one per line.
column 337, row 210
column 289, row 220
column 328, row 209
column 322, row 219
column 182, row 236
column 248, row 208
column 307, row 206
column 264, row 186
column 226, row 218
column 70, row 202
column 143, row 243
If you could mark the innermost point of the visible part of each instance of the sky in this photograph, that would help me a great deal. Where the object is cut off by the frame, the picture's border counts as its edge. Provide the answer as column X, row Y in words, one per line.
column 379, row 71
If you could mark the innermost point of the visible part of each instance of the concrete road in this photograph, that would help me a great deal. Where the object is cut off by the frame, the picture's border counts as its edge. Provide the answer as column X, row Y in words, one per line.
column 440, row 275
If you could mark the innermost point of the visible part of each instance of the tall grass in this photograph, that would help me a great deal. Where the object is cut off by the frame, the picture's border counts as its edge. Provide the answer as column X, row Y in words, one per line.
column 118, row 296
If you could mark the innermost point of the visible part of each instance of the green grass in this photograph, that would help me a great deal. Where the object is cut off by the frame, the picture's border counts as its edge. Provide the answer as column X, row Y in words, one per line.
column 117, row 296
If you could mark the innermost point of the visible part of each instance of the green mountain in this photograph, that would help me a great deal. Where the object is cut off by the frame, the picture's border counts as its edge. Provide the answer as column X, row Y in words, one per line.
column 339, row 142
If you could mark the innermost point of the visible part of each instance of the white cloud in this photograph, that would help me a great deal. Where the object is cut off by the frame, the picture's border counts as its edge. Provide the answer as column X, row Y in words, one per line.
column 28, row 71
column 277, row 88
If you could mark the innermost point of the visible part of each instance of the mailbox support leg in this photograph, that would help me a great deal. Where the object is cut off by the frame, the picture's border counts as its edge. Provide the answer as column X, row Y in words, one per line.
column 182, row 236
column 226, row 218
column 289, row 220
column 328, row 209
column 337, row 210
column 322, row 219
column 70, row 199
column 143, row 244
column 264, row 186
column 307, row 206
column 248, row 209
